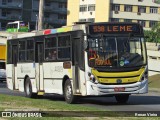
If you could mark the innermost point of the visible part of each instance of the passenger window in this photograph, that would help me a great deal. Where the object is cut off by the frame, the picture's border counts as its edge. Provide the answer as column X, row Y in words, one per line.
column 50, row 48
column 64, row 46
column 30, row 50
column 51, row 54
column 22, row 52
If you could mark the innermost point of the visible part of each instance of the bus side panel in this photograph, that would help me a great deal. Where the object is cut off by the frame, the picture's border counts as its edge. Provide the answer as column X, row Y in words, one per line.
column 53, row 76
column 15, row 76
column 37, row 76
column 82, row 83
column 23, row 70
column 53, row 86
column 9, row 76
column 41, row 78
column 87, row 69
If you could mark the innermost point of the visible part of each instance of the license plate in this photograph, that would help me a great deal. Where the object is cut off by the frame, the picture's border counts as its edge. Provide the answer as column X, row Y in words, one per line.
column 119, row 89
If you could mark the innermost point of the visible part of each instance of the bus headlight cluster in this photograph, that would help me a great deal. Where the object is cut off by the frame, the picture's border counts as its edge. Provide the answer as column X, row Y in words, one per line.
column 145, row 76
column 92, row 78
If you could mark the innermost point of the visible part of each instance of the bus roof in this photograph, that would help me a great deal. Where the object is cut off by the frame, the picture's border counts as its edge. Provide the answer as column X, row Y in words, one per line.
column 57, row 30
column 78, row 26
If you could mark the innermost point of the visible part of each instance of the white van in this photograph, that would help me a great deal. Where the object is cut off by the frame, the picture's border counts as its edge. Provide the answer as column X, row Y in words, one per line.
column 2, row 71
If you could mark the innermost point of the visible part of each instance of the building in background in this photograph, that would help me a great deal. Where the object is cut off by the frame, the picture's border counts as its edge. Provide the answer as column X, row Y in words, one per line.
column 145, row 12
column 55, row 12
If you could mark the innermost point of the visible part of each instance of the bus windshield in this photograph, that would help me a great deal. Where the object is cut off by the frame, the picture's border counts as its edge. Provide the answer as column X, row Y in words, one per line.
column 116, row 51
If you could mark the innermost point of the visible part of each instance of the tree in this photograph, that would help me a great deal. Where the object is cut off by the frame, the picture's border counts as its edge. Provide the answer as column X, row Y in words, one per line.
column 156, row 31
column 153, row 34
column 150, row 35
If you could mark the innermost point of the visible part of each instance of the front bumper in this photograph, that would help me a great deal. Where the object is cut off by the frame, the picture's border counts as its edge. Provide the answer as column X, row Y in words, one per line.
column 100, row 89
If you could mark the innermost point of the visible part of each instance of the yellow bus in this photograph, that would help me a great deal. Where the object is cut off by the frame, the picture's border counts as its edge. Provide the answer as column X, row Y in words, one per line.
column 92, row 59
column 3, row 51
column 2, row 62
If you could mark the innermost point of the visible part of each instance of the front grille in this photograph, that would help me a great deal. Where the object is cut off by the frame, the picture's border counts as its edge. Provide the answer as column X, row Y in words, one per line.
column 119, row 77
column 117, row 83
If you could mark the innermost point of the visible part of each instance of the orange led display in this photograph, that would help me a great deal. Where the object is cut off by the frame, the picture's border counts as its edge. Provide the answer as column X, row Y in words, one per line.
column 114, row 28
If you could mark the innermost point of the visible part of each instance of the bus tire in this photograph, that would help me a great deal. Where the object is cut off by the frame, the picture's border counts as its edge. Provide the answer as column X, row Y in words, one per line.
column 68, row 92
column 122, row 98
column 28, row 89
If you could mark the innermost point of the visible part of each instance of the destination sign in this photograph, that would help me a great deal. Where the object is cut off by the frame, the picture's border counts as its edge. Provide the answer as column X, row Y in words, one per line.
column 114, row 28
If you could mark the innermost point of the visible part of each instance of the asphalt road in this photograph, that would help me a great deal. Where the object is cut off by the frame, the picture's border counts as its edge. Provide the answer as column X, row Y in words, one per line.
column 143, row 102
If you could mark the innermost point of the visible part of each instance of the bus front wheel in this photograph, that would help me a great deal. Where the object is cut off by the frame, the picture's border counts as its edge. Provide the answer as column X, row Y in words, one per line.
column 122, row 98
column 68, row 92
column 28, row 89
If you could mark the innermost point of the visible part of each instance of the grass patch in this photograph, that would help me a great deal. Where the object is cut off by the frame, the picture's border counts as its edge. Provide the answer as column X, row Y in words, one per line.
column 48, row 118
column 7, row 101
column 17, row 102
column 154, row 81
column 89, row 118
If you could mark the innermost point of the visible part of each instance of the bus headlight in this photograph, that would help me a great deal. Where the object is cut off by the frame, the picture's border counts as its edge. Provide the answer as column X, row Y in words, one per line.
column 145, row 76
column 92, row 78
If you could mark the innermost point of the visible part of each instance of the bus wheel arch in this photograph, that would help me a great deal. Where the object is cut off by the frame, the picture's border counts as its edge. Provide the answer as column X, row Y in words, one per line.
column 28, row 88
column 65, row 78
column 25, row 78
column 68, row 91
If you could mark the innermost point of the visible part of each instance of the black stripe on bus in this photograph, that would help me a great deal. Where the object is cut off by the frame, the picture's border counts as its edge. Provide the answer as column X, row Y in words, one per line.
column 119, row 77
column 117, row 84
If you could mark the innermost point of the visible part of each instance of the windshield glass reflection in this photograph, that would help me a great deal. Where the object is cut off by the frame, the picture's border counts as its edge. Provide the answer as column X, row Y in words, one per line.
column 116, row 51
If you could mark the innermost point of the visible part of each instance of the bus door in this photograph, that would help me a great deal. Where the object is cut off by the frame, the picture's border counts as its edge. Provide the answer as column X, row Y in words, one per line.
column 14, row 66
column 76, row 79
column 78, row 63
column 39, row 57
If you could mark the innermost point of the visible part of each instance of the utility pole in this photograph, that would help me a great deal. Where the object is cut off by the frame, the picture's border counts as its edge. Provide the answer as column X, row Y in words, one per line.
column 41, row 12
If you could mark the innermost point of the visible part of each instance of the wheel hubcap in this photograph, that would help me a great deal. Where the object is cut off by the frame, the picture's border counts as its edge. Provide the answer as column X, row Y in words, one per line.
column 27, row 88
column 68, row 92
